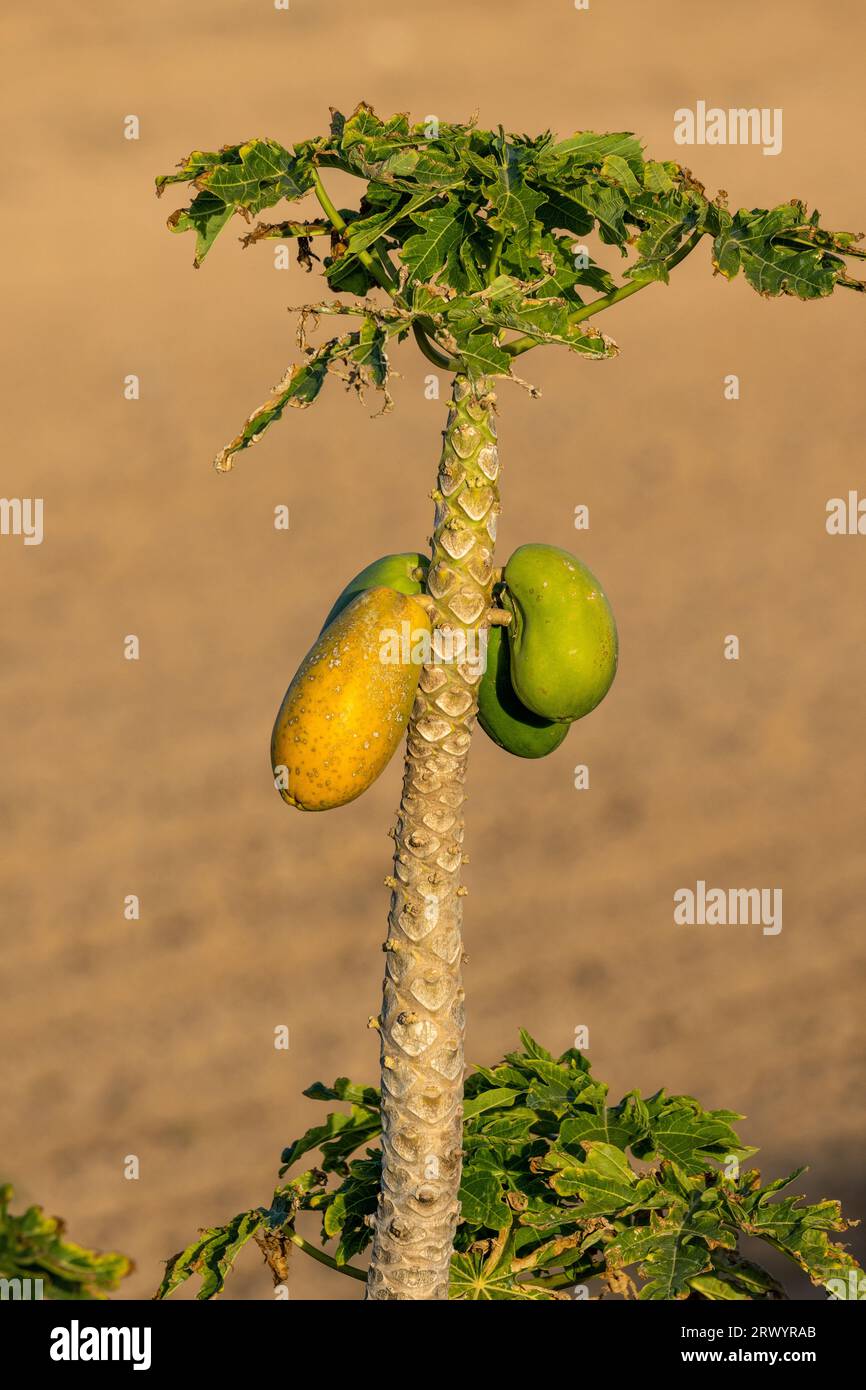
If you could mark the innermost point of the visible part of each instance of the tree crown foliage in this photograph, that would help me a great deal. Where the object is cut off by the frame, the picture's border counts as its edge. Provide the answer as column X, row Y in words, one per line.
column 474, row 236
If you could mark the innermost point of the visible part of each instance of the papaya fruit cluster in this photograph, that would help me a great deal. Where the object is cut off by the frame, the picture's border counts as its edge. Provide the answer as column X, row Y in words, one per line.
column 556, row 659
column 346, row 710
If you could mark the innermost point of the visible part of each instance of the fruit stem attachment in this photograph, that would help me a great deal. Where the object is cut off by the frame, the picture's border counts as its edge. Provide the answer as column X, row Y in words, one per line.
column 432, row 350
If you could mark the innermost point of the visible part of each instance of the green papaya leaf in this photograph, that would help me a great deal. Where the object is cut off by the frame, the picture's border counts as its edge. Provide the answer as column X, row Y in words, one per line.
column 482, row 1198
column 784, row 251
column 34, row 1250
column 486, row 1274
column 801, row 1231
column 346, row 1217
column 196, row 164
column 482, row 356
column 344, row 1089
column 513, row 202
column 604, row 1181
column 611, row 1126
column 366, row 231
column 211, row 1256
column 426, row 252
column 690, row 1137
column 261, row 174
column 620, row 174
column 493, row 1099
column 586, row 150
column 238, row 178
column 206, row 216
column 340, row 1136
column 362, row 351
column 532, row 1051
column 659, row 177
column 733, row 1278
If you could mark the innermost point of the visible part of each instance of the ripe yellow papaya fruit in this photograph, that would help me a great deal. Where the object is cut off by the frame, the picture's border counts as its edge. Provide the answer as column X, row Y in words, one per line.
column 347, row 708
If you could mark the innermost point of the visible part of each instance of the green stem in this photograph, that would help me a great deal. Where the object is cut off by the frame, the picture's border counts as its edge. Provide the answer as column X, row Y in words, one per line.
column 316, row 1254
column 523, row 344
column 559, row 1281
column 383, row 275
column 278, row 230
column 432, row 350
column 495, row 255
column 326, row 205
column 281, row 231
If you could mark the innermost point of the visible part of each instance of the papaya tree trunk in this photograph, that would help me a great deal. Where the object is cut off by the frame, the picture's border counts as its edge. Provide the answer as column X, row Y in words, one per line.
column 422, row 1012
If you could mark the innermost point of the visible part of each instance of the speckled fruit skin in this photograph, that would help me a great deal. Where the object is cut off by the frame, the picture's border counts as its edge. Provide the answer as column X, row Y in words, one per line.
column 391, row 572
column 346, row 710
column 502, row 716
column 562, row 635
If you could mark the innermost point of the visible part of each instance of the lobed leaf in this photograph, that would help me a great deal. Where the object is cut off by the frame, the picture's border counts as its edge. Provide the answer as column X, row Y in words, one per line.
column 363, row 356
column 345, row 1217
column 426, row 252
column 33, row 1246
column 206, row 216
column 784, row 251
column 340, row 1136
column 211, row 1255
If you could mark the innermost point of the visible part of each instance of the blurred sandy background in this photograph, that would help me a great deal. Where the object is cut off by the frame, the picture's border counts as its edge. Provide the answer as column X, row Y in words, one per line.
column 707, row 518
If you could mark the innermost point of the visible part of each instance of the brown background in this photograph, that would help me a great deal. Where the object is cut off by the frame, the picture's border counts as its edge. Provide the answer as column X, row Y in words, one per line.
column 707, row 517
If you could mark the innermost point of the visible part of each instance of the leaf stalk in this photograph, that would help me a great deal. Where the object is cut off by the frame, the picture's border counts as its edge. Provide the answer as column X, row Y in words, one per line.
column 520, row 345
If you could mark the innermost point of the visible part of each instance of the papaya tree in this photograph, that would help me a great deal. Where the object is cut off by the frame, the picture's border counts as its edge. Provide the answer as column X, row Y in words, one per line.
column 470, row 242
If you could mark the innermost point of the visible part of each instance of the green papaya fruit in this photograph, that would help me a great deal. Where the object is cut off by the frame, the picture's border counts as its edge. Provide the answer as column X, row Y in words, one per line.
column 562, row 637
column 398, row 572
column 501, row 715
